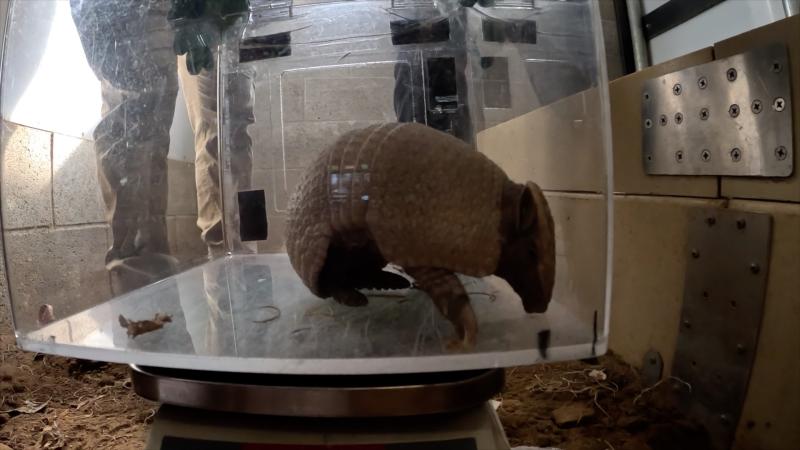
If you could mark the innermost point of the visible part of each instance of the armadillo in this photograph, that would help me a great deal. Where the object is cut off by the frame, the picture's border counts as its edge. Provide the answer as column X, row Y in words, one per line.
column 408, row 195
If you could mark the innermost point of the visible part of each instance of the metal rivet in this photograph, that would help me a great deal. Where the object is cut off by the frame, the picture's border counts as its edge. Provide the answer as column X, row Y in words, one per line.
column 734, row 110
column 686, row 323
column 695, row 253
column 648, row 123
column 679, row 155
column 756, row 106
column 702, row 82
column 755, row 268
column 725, row 419
column 711, row 221
column 704, row 114
column 736, row 154
column 678, row 118
column 781, row 153
column 677, row 89
column 662, row 120
column 779, row 104
column 731, row 74
column 741, row 224
column 705, row 155
column 777, row 66
column 740, row 349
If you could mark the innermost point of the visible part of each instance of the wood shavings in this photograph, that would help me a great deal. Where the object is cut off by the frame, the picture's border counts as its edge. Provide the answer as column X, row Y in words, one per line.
column 139, row 327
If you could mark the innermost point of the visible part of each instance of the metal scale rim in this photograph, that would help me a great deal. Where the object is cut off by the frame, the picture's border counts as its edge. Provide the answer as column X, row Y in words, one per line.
column 323, row 396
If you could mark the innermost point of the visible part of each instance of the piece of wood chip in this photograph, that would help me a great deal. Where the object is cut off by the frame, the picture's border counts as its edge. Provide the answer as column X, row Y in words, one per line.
column 572, row 414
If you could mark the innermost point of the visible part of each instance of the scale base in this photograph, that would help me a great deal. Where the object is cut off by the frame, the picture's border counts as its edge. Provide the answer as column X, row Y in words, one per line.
column 178, row 428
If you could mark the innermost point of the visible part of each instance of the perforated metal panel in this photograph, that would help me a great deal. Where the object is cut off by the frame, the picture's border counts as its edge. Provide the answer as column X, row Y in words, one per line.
column 726, row 117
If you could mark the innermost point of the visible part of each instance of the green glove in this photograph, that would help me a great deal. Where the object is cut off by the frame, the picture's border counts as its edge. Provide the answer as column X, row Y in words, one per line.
column 198, row 25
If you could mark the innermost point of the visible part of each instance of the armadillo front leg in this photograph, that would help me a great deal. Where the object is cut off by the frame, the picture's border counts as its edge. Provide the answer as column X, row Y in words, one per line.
column 451, row 299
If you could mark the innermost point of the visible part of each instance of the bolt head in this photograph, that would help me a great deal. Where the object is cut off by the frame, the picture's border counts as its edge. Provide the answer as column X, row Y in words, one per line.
column 740, row 349
column 734, row 110
column 756, row 106
column 777, row 66
column 731, row 74
column 702, row 83
column 781, row 153
column 705, row 155
column 678, row 118
column 687, row 323
column 736, row 155
column 704, row 114
column 663, row 120
column 711, row 221
column 741, row 224
column 648, row 123
column 755, row 268
column 779, row 104
column 695, row 253
column 677, row 89
column 679, row 156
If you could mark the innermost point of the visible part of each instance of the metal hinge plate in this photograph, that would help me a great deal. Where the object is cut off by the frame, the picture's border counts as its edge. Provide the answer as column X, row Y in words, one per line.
column 731, row 116
column 723, row 301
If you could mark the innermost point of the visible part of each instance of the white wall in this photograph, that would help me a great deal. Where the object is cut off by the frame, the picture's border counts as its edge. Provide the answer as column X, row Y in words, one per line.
column 47, row 83
column 726, row 19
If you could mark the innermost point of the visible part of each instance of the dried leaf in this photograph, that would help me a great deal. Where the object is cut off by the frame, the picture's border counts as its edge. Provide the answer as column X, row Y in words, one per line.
column 29, row 407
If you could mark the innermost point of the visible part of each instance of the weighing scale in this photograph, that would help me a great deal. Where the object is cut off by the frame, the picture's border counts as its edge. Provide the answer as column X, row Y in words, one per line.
column 226, row 411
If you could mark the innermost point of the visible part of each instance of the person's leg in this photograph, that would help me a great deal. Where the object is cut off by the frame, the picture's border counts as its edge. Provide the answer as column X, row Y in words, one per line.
column 131, row 52
column 200, row 92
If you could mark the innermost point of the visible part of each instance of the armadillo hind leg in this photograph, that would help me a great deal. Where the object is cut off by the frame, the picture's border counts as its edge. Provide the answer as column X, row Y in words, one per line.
column 451, row 300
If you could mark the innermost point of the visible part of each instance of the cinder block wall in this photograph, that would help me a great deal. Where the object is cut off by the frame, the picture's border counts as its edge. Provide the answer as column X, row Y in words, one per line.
column 56, row 234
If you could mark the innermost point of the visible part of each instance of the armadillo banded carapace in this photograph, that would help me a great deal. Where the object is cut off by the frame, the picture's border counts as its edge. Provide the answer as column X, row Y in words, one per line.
column 423, row 200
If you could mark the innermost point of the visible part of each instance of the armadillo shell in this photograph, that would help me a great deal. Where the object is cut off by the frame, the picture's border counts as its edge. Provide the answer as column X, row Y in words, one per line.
column 431, row 201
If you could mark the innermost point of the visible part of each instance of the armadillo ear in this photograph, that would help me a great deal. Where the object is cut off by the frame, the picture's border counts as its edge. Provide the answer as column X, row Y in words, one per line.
column 526, row 211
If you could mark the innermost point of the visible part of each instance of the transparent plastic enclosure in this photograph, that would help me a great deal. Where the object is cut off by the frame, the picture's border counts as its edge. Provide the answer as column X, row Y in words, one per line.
column 354, row 187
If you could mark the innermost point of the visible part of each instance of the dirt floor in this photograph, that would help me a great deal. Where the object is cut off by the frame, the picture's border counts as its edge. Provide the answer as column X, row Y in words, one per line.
column 49, row 402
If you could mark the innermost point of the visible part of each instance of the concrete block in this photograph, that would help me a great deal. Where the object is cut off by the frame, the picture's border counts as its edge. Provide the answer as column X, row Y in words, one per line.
column 292, row 89
column 182, row 197
column 650, row 236
column 276, row 241
column 77, row 198
column 626, row 113
column 347, row 99
column 304, row 140
column 286, row 182
column 786, row 31
column 558, row 146
column 26, row 180
column 580, row 254
column 278, row 187
column 64, row 268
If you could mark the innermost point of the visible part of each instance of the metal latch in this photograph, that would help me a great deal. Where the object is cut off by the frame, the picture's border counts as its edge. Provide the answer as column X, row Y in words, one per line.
column 731, row 116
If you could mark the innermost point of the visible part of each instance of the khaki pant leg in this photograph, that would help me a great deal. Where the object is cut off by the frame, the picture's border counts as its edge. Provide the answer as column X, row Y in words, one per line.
column 200, row 92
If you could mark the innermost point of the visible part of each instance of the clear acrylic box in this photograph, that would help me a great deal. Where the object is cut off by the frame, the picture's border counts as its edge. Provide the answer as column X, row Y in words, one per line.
column 522, row 83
